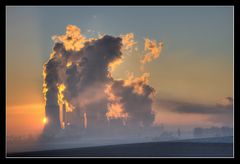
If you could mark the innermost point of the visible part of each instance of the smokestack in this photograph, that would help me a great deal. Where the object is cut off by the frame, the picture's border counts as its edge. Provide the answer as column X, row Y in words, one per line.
column 85, row 120
column 53, row 121
column 64, row 115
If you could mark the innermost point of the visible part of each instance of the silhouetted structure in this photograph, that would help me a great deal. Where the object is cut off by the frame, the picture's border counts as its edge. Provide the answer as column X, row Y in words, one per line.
column 53, row 124
column 179, row 132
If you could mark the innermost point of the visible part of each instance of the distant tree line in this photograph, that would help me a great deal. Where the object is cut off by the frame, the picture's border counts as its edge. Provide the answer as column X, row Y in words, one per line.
column 213, row 132
column 15, row 139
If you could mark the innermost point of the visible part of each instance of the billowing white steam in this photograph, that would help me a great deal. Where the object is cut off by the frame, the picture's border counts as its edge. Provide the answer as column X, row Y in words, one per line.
column 78, row 76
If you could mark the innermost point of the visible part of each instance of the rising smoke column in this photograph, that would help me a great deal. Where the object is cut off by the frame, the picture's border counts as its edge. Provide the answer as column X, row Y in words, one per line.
column 50, row 90
column 78, row 76
column 132, row 99
column 77, row 71
column 86, row 79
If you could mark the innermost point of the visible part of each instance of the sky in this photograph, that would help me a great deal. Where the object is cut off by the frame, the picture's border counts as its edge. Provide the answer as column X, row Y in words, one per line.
column 195, row 68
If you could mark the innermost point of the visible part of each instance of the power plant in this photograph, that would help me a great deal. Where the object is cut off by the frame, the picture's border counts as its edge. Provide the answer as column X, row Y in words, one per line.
column 80, row 92
column 58, row 119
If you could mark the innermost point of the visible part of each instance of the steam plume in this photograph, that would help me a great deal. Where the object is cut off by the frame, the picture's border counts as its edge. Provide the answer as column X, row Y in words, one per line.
column 153, row 50
column 78, row 78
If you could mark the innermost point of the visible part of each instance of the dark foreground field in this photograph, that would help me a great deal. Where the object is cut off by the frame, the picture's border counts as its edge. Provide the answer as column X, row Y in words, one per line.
column 151, row 149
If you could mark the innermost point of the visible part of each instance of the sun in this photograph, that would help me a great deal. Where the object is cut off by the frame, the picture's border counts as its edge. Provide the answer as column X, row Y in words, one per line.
column 45, row 120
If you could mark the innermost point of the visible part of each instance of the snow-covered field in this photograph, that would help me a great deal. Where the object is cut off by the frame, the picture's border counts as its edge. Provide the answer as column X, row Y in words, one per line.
column 202, row 147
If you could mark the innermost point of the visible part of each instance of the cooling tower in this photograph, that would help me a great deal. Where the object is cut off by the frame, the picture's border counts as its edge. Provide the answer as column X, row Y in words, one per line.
column 52, row 125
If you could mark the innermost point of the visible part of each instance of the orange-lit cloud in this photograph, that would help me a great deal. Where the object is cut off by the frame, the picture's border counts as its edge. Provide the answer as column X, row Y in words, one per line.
column 137, row 82
column 153, row 50
column 116, row 110
column 114, row 64
column 73, row 40
column 128, row 41
column 109, row 93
